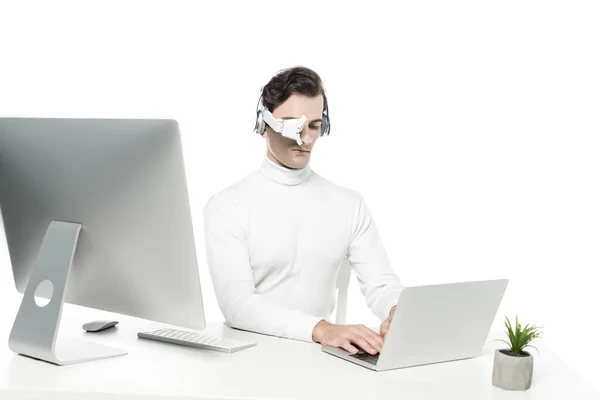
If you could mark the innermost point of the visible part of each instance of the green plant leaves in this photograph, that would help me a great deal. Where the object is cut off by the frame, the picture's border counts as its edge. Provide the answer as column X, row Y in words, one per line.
column 520, row 336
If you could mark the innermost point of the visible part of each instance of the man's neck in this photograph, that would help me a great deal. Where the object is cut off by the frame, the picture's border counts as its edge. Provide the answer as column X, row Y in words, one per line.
column 272, row 157
column 275, row 171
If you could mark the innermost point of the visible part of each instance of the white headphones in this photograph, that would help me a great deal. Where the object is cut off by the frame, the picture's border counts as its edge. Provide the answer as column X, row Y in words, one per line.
column 290, row 128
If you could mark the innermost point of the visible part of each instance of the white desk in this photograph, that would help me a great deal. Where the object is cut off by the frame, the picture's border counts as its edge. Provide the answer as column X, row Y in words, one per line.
column 275, row 369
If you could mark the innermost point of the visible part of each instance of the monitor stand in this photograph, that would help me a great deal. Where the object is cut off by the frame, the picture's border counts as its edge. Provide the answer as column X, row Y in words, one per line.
column 34, row 333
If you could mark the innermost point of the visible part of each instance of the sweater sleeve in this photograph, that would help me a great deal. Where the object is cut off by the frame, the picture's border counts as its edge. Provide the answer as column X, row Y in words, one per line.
column 368, row 257
column 233, row 281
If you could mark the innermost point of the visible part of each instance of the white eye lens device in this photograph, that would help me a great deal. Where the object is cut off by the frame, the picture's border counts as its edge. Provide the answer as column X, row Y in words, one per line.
column 290, row 128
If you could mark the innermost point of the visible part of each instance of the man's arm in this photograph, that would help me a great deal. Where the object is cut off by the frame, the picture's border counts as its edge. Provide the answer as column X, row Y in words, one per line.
column 231, row 273
column 366, row 252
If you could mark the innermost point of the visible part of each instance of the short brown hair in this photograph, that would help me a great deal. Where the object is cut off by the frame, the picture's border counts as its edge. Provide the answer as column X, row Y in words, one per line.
column 299, row 80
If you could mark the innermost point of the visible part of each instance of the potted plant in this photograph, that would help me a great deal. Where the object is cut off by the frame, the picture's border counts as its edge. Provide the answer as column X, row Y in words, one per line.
column 513, row 366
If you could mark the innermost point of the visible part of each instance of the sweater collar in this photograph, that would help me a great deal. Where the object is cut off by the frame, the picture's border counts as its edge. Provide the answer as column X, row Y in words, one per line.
column 283, row 175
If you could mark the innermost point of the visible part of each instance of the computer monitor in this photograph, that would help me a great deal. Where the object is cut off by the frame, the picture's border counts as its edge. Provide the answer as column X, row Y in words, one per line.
column 96, row 213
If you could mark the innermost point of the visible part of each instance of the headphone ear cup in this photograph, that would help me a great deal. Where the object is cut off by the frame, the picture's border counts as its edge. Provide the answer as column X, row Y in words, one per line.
column 259, row 125
column 325, row 127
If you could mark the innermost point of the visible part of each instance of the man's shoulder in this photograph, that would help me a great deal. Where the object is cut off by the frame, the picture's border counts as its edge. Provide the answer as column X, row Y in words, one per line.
column 351, row 195
column 235, row 192
column 241, row 186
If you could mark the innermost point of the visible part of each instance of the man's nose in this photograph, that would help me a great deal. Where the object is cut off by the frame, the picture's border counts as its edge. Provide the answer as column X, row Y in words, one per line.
column 306, row 136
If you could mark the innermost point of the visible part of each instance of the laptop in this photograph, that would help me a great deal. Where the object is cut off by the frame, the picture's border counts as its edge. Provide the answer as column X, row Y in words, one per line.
column 433, row 324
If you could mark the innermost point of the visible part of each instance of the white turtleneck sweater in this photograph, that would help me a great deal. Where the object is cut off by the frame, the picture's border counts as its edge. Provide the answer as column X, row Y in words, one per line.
column 275, row 241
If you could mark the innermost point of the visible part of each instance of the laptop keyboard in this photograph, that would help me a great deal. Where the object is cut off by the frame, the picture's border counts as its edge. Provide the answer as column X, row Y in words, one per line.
column 366, row 357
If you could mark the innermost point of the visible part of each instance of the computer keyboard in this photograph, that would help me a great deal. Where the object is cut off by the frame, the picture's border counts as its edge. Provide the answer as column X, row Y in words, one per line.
column 192, row 339
column 364, row 356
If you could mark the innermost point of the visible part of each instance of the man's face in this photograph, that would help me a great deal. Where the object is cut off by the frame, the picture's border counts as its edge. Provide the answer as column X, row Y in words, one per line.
column 284, row 151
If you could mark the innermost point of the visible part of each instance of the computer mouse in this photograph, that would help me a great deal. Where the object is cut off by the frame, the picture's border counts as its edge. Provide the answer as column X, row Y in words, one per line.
column 97, row 326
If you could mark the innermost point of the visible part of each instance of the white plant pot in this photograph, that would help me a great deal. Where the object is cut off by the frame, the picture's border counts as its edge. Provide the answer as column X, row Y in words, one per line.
column 512, row 372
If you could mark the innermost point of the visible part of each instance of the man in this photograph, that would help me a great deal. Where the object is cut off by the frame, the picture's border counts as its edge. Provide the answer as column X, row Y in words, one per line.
column 275, row 239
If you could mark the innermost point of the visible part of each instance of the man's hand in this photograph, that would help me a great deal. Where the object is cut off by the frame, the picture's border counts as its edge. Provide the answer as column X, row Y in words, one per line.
column 347, row 337
column 385, row 325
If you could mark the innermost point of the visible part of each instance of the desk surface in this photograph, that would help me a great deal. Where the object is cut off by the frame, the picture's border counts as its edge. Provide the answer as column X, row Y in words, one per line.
column 274, row 369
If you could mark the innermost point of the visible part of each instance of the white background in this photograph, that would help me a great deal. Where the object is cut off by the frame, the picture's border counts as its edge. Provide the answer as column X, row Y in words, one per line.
column 471, row 128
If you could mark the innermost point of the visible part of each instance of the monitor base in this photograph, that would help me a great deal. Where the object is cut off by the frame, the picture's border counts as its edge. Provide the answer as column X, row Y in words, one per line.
column 35, row 330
